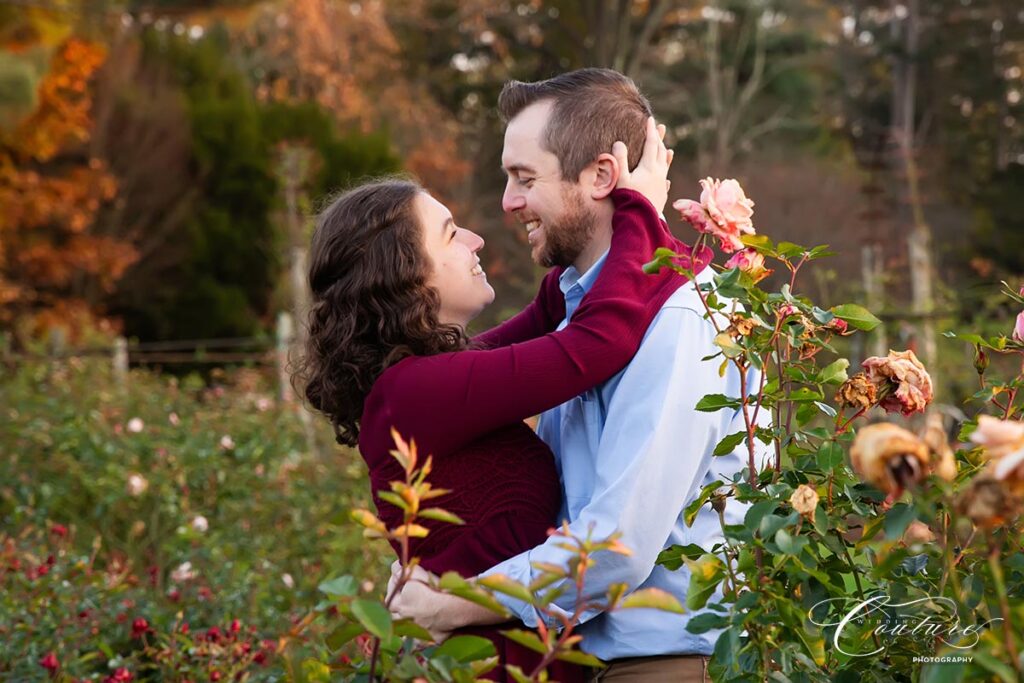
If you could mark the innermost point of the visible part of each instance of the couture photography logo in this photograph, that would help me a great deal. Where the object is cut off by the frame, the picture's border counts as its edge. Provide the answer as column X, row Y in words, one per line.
column 865, row 627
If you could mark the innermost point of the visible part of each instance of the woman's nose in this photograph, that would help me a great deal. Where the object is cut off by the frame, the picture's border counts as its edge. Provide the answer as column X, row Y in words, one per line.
column 472, row 240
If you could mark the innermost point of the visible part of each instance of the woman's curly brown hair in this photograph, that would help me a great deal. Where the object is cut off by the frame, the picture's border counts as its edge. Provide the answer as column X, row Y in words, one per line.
column 371, row 305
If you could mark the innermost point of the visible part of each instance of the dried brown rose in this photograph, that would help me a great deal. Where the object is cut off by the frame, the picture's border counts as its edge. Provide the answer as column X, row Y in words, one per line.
column 988, row 502
column 857, row 392
column 890, row 457
column 906, row 383
column 804, row 500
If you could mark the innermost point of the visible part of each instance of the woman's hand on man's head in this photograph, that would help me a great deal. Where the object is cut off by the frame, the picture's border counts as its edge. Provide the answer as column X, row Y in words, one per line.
column 650, row 177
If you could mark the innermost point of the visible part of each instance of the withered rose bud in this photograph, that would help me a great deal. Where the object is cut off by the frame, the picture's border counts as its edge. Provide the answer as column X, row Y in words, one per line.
column 917, row 532
column 857, row 392
column 942, row 456
column 804, row 500
column 889, row 457
column 988, row 502
column 740, row 326
column 908, row 387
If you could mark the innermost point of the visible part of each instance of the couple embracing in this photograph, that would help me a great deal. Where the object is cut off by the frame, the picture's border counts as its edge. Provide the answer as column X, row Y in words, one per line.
column 608, row 356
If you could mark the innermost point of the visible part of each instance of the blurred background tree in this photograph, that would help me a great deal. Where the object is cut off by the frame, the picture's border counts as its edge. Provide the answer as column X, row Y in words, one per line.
column 889, row 129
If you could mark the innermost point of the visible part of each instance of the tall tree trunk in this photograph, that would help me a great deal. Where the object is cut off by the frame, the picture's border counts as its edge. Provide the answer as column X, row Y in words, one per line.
column 919, row 239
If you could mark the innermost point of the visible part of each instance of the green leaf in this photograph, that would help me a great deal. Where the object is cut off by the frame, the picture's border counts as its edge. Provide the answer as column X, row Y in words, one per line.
column 713, row 402
column 503, row 584
column 834, row 372
column 343, row 634
column 999, row 668
column 946, row 672
column 581, row 658
column 858, row 316
column 652, row 598
column 341, row 586
column 441, row 515
column 516, row 672
column 705, row 575
column 527, row 639
column 672, row 557
column 757, row 512
column 454, row 584
column 805, row 394
column 707, row 621
column 829, row 456
column 897, row 519
column 407, row 628
column 788, row 543
column 729, row 443
column 374, row 616
column 789, row 249
column 466, row 648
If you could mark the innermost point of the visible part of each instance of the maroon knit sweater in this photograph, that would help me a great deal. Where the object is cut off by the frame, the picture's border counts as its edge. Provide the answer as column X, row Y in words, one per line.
column 466, row 408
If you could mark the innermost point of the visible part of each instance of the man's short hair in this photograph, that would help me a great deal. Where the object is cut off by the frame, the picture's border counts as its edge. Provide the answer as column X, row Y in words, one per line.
column 592, row 108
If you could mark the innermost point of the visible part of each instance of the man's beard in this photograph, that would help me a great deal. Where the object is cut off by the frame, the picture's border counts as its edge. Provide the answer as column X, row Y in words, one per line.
column 567, row 236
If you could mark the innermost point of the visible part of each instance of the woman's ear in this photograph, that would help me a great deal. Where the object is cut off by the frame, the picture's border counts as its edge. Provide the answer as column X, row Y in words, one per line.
column 606, row 176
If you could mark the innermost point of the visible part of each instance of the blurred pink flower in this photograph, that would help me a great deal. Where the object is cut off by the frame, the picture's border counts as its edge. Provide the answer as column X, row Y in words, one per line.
column 137, row 485
column 226, row 442
column 1018, row 329
column 174, row 419
column 751, row 263
column 902, row 371
column 200, row 524
column 136, row 425
column 183, row 573
column 998, row 437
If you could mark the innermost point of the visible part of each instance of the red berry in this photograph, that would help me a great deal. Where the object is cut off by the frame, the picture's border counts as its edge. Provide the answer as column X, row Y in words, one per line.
column 213, row 634
column 51, row 560
column 184, row 627
column 59, row 530
column 139, row 627
column 49, row 662
column 236, row 626
column 214, row 675
column 42, row 570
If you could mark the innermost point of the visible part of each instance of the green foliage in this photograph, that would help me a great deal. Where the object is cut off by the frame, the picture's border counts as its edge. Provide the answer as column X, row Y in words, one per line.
column 170, row 502
column 231, row 249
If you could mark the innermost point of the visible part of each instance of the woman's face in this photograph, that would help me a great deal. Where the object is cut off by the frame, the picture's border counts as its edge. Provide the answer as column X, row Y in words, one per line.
column 456, row 272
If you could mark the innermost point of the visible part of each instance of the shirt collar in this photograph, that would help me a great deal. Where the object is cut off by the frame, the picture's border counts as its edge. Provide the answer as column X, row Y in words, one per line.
column 571, row 277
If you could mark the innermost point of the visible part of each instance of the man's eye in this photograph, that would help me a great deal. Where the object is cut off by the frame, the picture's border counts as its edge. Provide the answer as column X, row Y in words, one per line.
column 526, row 181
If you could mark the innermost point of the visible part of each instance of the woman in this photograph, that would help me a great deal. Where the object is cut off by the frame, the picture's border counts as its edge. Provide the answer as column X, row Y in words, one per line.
column 395, row 283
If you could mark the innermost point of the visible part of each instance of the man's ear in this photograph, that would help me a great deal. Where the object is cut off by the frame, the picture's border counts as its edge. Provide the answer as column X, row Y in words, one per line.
column 606, row 176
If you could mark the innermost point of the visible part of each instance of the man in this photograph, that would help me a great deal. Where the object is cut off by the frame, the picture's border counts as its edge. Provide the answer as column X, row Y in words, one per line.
column 633, row 451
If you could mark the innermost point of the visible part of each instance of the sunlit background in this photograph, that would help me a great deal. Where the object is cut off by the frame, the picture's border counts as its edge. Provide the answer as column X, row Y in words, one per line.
column 160, row 165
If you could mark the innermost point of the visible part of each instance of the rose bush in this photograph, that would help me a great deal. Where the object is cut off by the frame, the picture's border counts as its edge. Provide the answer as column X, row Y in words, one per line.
column 133, row 539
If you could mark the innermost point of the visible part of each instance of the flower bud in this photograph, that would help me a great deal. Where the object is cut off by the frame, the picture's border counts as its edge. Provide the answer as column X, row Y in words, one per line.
column 980, row 360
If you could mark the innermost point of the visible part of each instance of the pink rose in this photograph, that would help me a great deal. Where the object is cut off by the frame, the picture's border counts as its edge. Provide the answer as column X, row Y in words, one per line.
column 693, row 213
column 902, row 371
column 750, row 262
column 1018, row 329
column 729, row 210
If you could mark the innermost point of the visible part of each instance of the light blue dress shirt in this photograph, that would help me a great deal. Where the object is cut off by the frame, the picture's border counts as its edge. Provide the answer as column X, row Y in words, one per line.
column 632, row 453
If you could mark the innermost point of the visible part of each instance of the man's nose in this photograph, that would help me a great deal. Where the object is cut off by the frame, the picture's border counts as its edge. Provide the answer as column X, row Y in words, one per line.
column 513, row 199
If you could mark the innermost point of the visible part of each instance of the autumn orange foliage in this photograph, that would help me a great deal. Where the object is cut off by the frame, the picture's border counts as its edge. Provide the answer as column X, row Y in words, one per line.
column 53, row 258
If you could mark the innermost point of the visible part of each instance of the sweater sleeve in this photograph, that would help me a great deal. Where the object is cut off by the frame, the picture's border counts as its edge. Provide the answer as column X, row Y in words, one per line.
column 446, row 400
column 541, row 316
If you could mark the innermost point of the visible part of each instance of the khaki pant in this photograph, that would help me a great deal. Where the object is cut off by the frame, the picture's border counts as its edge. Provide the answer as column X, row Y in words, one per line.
column 671, row 669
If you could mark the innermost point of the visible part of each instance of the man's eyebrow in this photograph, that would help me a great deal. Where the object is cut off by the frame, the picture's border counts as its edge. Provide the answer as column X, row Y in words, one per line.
column 447, row 222
column 518, row 167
